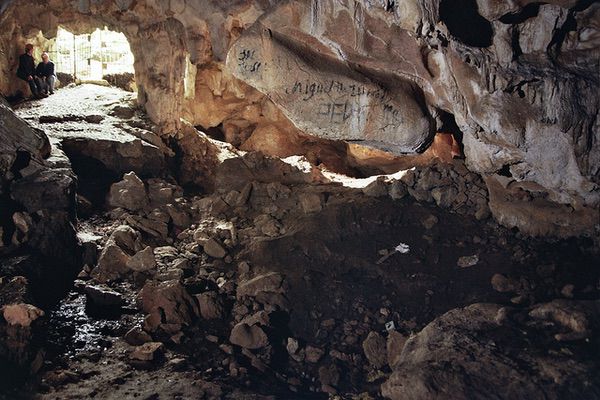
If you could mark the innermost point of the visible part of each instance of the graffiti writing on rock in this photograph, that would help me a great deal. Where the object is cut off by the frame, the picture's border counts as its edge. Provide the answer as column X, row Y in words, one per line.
column 340, row 111
column 246, row 61
column 311, row 88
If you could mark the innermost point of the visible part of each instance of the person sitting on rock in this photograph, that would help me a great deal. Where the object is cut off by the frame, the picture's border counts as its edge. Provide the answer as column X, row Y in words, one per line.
column 26, row 71
column 45, row 71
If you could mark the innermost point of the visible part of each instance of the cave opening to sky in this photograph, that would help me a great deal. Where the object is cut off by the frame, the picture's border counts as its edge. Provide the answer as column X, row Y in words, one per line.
column 91, row 56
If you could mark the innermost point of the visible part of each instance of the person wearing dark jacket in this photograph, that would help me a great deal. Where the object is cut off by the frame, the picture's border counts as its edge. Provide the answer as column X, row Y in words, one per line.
column 26, row 71
column 45, row 71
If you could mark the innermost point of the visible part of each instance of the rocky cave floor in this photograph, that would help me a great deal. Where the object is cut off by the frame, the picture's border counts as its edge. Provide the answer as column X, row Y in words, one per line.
column 326, row 288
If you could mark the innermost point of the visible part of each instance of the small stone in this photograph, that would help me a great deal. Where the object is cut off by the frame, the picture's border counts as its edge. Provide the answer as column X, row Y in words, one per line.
column 567, row 290
column 227, row 349
column 329, row 375
column 375, row 350
column 310, row 202
column 243, row 268
column 212, row 338
column 270, row 282
column 177, row 364
column 502, row 284
column 150, row 351
column 21, row 314
column 313, row 354
column 23, row 224
column 214, row 249
column 430, row 221
column 328, row 323
column 83, row 275
column 178, row 338
column 136, row 336
column 468, row 261
column 292, row 346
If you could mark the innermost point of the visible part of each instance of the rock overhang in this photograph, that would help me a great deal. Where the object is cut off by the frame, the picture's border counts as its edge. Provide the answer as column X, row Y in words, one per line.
column 326, row 96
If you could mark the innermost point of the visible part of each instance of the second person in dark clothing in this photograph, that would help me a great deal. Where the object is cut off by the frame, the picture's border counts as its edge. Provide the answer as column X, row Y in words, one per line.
column 45, row 71
column 26, row 71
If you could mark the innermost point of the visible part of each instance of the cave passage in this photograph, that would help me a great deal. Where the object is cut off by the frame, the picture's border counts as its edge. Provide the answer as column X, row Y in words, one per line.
column 300, row 200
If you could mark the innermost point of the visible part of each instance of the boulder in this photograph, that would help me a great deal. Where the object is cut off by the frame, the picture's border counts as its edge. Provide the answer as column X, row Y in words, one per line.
column 119, row 154
column 248, row 336
column 311, row 202
column 130, row 193
column 486, row 351
column 142, row 261
column 103, row 296
column 168, row 304
column 150, row 351
column 211, row 305
column 126, row 238
column 22, row 315
column 112, row 263
column 374, row 347
column 270, row 282
column 395, row 345
column 329, row 100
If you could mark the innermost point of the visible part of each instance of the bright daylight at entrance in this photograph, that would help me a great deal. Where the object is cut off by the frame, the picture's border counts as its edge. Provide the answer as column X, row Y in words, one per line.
column 91, row 56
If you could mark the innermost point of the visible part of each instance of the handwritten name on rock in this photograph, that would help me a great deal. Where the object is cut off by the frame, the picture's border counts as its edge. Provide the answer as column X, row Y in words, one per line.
column 246, row 61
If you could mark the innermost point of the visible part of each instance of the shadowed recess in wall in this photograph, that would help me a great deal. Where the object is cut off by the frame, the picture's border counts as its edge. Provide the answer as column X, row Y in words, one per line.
column 465, row 23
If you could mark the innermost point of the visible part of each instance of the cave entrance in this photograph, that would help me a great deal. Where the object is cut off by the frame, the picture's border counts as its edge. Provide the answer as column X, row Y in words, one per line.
column 91, row 56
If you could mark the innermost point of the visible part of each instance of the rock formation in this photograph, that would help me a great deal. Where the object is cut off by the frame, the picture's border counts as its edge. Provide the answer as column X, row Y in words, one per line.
column 299, row 202
column 382, row 75
column 517, row 83
column 39, row 253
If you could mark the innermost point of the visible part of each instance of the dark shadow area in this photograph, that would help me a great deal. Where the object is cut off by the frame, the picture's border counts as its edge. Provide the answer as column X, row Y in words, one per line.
column 465, row 23
column 215, row 132
column 334, row 271
column 94, row 179
column 505, row 171
column 22, row 160
column 529, row 11
column 449, row 125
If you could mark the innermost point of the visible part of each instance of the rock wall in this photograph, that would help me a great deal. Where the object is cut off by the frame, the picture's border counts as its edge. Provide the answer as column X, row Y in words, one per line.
column 39, row 251
column 165, row 38
column 517, row 82
column 388, row 74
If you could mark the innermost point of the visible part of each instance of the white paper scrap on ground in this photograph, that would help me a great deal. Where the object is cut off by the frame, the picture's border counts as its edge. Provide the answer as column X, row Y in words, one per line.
column 402, row 248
